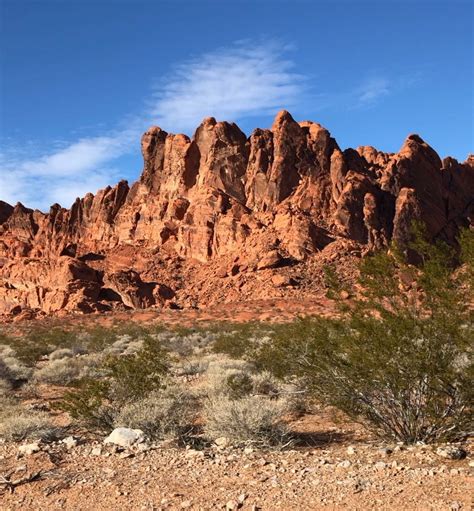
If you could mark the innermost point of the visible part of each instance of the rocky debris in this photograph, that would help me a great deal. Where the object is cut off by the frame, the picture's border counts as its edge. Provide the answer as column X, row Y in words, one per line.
column 70, row 442
column 285, row 199
column 125, row 437
column 29, row 449
column 451, row 452
column 302, row 478
column 269, row 260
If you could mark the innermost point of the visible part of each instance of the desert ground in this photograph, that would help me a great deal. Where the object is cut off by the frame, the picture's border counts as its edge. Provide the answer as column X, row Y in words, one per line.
column 331, row 462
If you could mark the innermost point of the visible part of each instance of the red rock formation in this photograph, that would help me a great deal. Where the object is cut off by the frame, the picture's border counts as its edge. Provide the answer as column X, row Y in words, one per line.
column 225, row 217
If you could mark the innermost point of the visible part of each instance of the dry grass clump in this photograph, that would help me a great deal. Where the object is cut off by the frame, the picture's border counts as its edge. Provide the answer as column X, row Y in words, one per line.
column 64, row 371
column 17, row 423
column 192, row 367
column 5, row 386
column 186, row 343
column 12, row 369
column 166, row 413
column 250, row 420
column 238, row 378
column 61, row 353
column 124, row 345
column 244, row 405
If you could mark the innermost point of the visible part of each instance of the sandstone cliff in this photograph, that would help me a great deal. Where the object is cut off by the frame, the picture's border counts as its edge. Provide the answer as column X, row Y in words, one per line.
column 225, row 217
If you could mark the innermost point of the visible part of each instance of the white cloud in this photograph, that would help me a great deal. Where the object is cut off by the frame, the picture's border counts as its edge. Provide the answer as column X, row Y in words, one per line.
column 372, row 90
column 63, row 175
column 243, row 80
column 231, row 83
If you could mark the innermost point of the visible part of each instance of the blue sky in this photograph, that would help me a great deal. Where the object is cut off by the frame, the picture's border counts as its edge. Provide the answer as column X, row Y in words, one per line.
column 81, row 80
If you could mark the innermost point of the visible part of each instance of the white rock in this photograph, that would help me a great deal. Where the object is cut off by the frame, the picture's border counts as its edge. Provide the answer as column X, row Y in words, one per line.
column 96, row 451
column 222, row 441
column 242, row 498
column 451, row 452
column 69, row 442
column 125, row 437
column 345, row 464
column 28, row 449
column 351, row 450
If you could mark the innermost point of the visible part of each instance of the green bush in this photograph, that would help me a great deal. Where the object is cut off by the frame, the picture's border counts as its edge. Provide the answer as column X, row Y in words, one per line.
column 125, row 378
column 399, row 357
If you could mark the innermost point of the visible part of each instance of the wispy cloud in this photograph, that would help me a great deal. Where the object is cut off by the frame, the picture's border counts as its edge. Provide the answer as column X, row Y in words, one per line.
column 64, row 174
column 244, row 80
column 372, row 90
column 231, row 83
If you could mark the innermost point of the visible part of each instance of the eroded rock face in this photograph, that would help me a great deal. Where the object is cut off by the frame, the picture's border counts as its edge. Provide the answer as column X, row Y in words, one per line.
column 223, row 216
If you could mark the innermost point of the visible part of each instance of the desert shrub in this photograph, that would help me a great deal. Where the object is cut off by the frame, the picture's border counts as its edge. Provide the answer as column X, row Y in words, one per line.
column 39, row 341
column 12, row 369
column 58, row 372
column 250, row 420
column 238, row 385
column 64, row 371
column 185, row 343
column 228, row 377
column 5, row 385
column 236, row 340
column 165, row 413
column 42, row 341
column 124, row 345
column 18, row 423
column 400, row 356
column 192, row 366
column 124, row 379
column 239, row 378
column 61, row 353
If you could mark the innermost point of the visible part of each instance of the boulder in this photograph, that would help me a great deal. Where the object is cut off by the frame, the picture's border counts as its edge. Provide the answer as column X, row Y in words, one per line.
column 125, row 437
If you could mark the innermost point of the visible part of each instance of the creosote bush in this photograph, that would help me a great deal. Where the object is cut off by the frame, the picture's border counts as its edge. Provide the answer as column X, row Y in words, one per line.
column 125, row 378
column 400, row 356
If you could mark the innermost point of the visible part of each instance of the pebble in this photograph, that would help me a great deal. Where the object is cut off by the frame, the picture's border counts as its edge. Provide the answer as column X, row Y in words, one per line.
column 222, row 441
column 96, row 451
column 28, row 449
column 70, row 442
column 451, row 452
column 380, row 465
